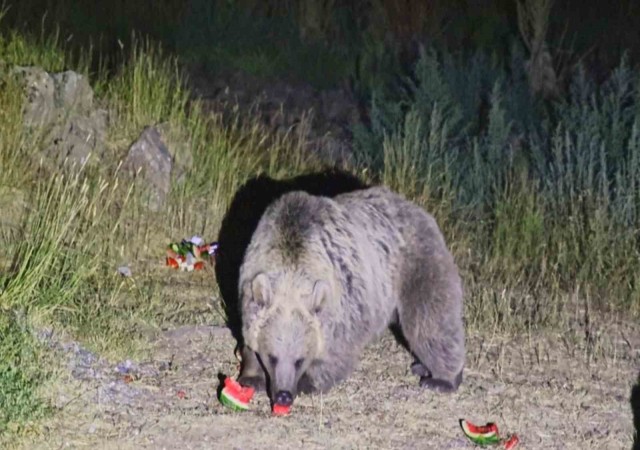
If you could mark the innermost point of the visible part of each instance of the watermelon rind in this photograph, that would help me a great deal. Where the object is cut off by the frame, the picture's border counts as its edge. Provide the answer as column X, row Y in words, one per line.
column 229, row 400
column 488, row 438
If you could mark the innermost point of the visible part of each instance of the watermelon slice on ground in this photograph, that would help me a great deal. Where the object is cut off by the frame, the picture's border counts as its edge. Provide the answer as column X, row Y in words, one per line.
column 481, row 435
column 511, row 443
column 236, row 396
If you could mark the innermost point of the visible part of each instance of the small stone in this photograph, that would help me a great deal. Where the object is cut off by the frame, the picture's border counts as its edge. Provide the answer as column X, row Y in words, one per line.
column 125, row 271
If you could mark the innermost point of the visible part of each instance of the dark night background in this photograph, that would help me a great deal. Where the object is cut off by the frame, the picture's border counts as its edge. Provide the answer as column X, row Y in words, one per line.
column 592, row 32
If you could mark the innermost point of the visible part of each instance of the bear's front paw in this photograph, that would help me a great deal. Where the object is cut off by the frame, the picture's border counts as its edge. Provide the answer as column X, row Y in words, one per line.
column 441, row 386
column 256, row 382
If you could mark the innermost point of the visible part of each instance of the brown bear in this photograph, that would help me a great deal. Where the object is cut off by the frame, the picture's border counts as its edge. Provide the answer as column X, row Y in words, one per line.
column 322, row 277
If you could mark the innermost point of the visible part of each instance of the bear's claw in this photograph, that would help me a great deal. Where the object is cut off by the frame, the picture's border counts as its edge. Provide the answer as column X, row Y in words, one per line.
column 441, row 386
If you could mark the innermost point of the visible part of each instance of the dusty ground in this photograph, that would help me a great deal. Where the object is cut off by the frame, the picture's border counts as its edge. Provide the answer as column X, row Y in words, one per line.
column 548, row 390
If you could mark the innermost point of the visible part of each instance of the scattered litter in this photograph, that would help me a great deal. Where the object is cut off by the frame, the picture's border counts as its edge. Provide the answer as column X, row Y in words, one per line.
column 196, row 240
column 236, row 396
column 487, row 435
column 189, row 255
column 125, row 271
column 181, row 394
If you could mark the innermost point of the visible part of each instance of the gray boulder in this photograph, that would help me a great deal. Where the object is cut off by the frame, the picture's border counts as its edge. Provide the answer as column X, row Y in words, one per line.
column 39, row 108
column 179, row 147
column 72, row 92
column 59, row 106
column 78, row 138
column 150, row 159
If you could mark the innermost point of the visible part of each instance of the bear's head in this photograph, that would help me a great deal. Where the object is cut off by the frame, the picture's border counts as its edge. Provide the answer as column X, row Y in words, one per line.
column 281, row 324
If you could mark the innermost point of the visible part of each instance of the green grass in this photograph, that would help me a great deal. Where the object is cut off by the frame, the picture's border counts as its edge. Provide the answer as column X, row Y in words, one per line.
column 20, row 376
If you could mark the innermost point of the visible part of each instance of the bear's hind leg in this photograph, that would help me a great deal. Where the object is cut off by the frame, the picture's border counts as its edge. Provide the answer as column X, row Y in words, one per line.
column 439, row 356
column 430, row 314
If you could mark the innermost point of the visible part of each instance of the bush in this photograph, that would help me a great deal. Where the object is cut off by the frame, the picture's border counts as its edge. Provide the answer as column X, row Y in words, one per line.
column 546, row 193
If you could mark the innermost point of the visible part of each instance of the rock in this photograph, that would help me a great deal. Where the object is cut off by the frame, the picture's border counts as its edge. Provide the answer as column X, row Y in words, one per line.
column 150, row 158
column 180, row 149
column 61, row 105
column 72, row 92
column 125, row 271
column 75, row 139
column 39, row 109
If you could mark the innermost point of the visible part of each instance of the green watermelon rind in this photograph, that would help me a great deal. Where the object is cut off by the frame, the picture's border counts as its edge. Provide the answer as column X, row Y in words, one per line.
column 485, row 439
column 229, row 400
column 480, row 438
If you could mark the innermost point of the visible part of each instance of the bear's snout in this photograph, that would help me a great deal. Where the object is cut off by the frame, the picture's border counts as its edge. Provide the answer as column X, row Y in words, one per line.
column 284, row 398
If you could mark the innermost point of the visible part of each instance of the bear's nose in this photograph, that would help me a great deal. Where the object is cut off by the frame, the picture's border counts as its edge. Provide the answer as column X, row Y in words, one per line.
column 284, row 398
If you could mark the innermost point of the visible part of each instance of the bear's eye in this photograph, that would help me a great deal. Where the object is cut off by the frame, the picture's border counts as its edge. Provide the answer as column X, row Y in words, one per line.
column 299, row 363
column 273, row 360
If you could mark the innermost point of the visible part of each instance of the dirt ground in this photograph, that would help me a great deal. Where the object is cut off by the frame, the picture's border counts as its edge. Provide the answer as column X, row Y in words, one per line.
column 554, row 393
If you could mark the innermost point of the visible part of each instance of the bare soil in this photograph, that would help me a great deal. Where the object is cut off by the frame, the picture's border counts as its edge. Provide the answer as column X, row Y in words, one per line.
column 553, row 391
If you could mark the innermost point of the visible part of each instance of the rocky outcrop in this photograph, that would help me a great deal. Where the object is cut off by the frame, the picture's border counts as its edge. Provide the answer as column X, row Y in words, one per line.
column 60, row 106
column 150, row 159
column 158, row 160
column 60, row 109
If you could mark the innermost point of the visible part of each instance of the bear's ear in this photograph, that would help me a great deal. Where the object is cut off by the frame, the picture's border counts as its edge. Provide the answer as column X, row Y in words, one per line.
column 261, row 289
column 320, row 295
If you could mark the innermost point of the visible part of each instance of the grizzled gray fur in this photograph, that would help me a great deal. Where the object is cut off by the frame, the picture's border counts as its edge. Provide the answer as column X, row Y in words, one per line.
column 323, row 277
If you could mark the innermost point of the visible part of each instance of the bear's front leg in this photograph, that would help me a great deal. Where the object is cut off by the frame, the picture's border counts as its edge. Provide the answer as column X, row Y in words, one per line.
column 305, row 385
column 252, row 374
